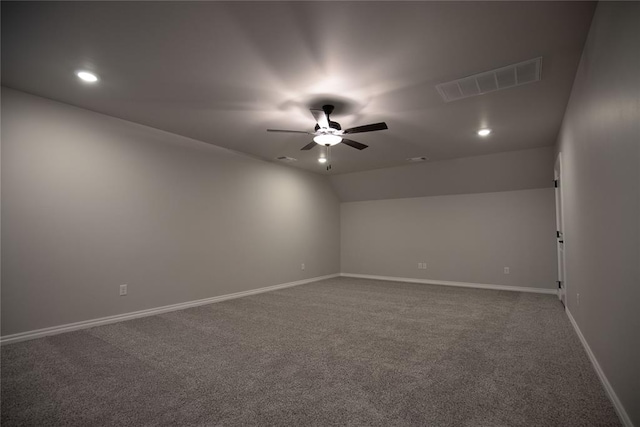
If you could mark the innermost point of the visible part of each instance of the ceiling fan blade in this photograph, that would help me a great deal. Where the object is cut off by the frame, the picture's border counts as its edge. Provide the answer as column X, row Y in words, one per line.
column 367, row 128
column 309, row 146
column 320, row 117
column 289, row 131
column 354, row 144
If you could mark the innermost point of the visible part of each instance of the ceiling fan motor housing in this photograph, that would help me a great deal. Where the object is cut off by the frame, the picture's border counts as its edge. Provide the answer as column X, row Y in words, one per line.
column 332, row 125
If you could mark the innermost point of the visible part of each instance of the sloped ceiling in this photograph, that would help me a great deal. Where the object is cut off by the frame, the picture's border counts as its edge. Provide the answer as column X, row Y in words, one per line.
column 224, row 72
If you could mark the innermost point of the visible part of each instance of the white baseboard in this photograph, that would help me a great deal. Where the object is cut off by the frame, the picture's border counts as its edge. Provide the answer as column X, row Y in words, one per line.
column 624, row 417
column 54, row 330
column 459, row 284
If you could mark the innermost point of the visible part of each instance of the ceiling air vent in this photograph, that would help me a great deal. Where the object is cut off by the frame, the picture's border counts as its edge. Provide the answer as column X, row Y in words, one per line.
column 417, row 159
column 501, row 78
column 286, row 159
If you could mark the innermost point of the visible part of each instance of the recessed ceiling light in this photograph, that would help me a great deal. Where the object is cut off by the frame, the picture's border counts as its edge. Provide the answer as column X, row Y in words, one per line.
column 322, row 160
column 484, row 132
column 87, row 76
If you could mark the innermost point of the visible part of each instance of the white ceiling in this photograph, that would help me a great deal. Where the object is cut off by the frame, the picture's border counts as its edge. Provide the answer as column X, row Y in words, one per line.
column 225, row 72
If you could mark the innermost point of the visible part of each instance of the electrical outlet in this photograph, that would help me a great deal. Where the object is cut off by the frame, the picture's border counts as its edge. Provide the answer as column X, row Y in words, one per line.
column 302, row 266
column 506, row 270
column 123, row 290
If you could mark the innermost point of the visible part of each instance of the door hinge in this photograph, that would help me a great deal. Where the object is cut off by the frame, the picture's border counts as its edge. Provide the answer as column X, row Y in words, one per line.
column 559, row 284
column 555, row 183
column 558, row 234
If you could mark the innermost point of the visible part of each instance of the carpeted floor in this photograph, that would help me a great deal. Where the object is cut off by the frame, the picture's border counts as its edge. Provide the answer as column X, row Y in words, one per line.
column 337, row 352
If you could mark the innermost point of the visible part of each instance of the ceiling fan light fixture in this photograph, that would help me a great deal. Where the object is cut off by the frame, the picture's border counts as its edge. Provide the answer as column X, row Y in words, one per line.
column 327, row 139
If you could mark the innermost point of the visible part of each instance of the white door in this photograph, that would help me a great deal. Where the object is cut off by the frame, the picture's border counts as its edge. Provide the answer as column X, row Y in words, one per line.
column 562, row 284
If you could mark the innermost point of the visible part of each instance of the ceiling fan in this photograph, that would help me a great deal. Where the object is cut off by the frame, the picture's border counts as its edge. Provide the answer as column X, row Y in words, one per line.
column 330, row 133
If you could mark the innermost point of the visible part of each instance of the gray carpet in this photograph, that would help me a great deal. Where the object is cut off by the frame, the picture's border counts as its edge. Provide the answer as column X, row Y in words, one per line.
column 337, row 352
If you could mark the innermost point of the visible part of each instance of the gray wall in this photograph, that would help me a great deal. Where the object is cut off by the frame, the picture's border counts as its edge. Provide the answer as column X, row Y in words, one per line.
column 513, row 170
column 90, row 202
column 467, row 218
column 462, row 238
column 600, row 145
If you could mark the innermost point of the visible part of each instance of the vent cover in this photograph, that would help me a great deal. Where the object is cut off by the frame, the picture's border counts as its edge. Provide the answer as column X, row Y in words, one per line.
column 417, row 159
column 286, row 159
column 501, row 78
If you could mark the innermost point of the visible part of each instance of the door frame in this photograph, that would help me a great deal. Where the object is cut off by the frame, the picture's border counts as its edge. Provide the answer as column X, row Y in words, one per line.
column 561, row 247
